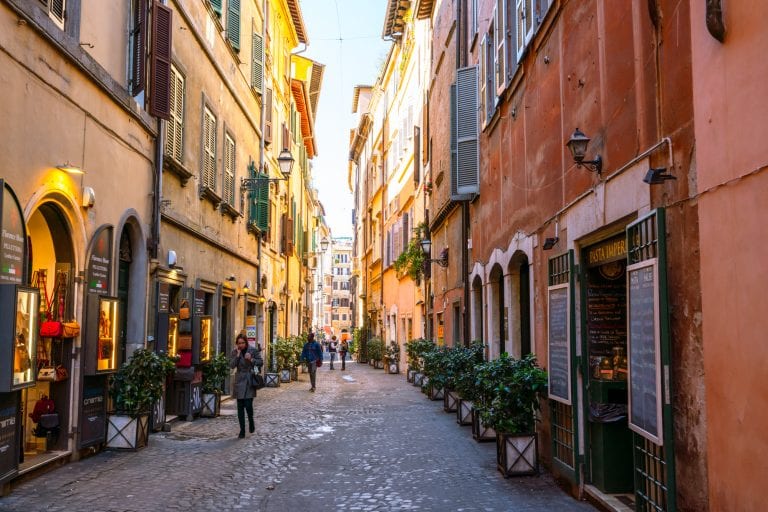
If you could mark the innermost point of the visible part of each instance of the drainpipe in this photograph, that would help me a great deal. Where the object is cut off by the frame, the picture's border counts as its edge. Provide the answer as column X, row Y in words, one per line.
column 259, row 239
column 157, row 188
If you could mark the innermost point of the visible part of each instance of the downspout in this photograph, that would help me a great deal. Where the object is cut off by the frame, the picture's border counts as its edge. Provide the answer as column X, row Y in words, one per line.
column 259, row 239
column 157, row 187
column 464, row 204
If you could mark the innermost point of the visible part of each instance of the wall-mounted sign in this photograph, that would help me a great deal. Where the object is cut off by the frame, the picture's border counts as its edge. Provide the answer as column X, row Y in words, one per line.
column 163, row 297
column 13, row 238
column 559, row 353
column 613, row 249
column 9, row 409
column 93, row 417
column 250, row 330
column 199, row 302
column 100, row 262
column 644, row 351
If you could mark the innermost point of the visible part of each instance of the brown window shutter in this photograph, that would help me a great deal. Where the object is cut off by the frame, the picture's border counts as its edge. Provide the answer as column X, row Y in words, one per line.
column 289, row 238
column 286, row 137
column 160, row 74
column 138, row 66
column 283, row 231
column 268, row 117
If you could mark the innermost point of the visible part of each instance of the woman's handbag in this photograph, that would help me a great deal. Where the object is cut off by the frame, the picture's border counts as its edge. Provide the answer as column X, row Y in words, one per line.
column 319, row 362
column 257, row 381
column 70, row 329
column 51, row 329
column 184, row 310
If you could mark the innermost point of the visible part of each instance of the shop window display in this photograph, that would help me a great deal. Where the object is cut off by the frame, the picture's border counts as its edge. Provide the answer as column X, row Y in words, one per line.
column 173, row 335
column 206, row 326
column 106, row 352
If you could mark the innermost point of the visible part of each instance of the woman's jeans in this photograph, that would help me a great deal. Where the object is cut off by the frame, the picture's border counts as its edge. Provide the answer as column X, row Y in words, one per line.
column 333, row 358
column 343, row 358
column 245, row 405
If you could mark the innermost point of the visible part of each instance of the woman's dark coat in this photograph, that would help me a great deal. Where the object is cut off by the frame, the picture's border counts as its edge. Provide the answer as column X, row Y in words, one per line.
column 242, row 388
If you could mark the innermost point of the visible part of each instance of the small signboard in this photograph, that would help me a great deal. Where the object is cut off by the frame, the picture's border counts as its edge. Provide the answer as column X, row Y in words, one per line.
column 100, row 262
column 644, row 351
column 163, row 297
column 250, row 330
column 9, row 414
column 559, row 354
column 93, row 417
column 13, row 238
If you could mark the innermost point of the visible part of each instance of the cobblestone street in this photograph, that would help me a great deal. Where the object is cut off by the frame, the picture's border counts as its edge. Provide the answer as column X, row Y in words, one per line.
column 365, row 441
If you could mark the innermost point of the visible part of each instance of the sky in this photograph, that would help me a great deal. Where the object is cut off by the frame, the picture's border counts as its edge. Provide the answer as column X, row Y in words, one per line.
column 345, row 35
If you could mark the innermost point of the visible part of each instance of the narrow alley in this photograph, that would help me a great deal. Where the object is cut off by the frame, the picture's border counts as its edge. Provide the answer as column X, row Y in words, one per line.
column 365, row 441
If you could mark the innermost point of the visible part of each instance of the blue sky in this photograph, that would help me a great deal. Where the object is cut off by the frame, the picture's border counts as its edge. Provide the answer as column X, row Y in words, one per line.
column 351, row 61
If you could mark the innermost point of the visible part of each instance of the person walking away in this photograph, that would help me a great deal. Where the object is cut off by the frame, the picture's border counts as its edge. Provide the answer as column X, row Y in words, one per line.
column 312, row 354
column 343, row 349
column 243, row 358
column 332, row 347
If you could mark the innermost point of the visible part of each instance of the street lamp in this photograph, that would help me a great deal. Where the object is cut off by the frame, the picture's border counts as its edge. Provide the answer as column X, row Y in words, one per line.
column 324, row 244
column 577, row 145
column 426, row 248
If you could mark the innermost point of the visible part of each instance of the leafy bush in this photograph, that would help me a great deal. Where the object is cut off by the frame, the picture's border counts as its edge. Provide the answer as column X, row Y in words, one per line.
column 393, row 352
column 435, row 366
column 415, row 350
column 508, row 393
column 463, row 370
column 285, row 353
column 139, row 382
column 376, row 348
column 214, row 373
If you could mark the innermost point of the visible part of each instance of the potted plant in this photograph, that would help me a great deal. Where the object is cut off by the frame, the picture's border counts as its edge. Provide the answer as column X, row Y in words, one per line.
column 298, row 346
column 414, row 351
column 434, row 381
column 271, row 376
column 215, row 373
column 465, row 381
column 134, row 388
column 358, row 347
column 284, row 352
column 376, row 351
column 510, row 391
column 392, row 358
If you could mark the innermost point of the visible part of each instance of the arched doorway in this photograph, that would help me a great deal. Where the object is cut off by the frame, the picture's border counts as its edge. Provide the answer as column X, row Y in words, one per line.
column 498, row 312
column 52, row 264
column 131, row 288
column 520, row 325
column 477, row 309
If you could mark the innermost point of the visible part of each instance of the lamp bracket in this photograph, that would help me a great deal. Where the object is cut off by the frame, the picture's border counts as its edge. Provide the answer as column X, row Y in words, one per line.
column 595, row 165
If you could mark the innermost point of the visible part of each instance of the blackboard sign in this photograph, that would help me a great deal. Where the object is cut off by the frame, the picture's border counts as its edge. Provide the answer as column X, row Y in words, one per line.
column 9, row 453
column 644, row 351
column 93, row 416
column 606, row 307
column 559, row 345
column 199, row 303
column 163, row 297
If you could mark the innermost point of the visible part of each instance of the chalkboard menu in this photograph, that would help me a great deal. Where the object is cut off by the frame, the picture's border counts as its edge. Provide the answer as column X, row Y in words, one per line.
column 559, row 346
column 93, row 416
column 644, row 351
column 606, row 311
column 9, row 453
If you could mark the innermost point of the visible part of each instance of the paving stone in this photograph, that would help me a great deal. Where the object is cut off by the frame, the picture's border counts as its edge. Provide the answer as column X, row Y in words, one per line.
column 365, row 441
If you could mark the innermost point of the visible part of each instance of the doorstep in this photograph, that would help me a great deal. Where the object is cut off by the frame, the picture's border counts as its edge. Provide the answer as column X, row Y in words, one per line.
column 38, row 461
column 612, row 502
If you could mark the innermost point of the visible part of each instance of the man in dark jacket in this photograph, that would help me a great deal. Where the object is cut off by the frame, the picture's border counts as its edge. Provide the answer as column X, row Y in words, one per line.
column 312, row 354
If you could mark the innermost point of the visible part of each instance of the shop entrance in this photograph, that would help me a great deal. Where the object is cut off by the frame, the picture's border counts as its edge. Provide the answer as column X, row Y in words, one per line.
column 604, row 320
column 52, row 263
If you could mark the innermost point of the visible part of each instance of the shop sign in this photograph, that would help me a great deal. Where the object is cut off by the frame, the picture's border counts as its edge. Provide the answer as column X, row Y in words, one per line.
column 613, row 249
column 559, row 352
column 8, row 415
column 94, row 412
column 163, row 297
column 100, row 262
column 250, row 330
column 12, row 246
column 199, row 306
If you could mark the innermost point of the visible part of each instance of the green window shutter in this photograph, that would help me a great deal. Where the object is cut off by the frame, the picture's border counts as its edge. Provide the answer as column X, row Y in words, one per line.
column 262, row 205
column 467, row 174
column 257, row 63
column 233, row 23
column 216, row 4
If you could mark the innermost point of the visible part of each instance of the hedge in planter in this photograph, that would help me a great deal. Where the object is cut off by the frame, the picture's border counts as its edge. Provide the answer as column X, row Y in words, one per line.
column 460, row 379
column 414, row 353
column 376, row 350
column 215, row 372
column 435, row 368
column 509, row 392
column 134, row 388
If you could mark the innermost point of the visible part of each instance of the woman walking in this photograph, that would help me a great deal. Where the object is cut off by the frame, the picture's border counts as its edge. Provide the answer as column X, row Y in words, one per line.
column 243, row 358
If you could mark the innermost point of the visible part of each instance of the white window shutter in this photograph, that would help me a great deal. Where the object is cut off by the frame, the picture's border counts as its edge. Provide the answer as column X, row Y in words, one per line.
column 257, row 63
column 467, row 175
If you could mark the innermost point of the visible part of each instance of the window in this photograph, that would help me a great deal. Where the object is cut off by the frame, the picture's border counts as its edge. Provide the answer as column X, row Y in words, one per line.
column 233, row 23
column 137, row 47
column 499, row 40
column 56, row 10
column 525, row 24
column 228, row 178
column 209, row 150
column 174, row 128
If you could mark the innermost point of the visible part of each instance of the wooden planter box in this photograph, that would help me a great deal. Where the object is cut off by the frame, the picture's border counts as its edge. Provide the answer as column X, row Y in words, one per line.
column 425, row 385
column 464, row 412
column 435, row 394
column 285, row 375
column 272, row 380
column 211, row 406
column 410, row 375
column 392, row 367
column 481, row 433
column 294, row 374
column 517, row 454
column 450, row 401
column 418, row 379
column 379, row 365
column 127, row 432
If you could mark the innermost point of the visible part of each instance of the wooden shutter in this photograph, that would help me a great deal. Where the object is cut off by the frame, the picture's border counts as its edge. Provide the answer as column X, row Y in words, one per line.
column 467, row 151
column 209, row 150
column 262, row 203
column 268, row 117
column 454, row 164
column 160, row 74
column 56, row 9
column 257, row 63
column 139, row 47
column 416, row 155
column 233, row 23
column 228, row 183
column 216, row 4
column 499, row 40
column 490, row 93
column 511, row 33
column 289, row 237
column 175, row 126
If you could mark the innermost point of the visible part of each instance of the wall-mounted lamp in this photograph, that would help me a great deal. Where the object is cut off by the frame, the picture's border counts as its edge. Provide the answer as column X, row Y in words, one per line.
column 284, row 161
column 173, row 262
column 657, row 176
column 89, row 197
column 70, row 169
column 231, row 277
column 426, row 247
column 262, row 299
column 550, row 242
column 324, row 244
column 577, row 145
column 247, row 287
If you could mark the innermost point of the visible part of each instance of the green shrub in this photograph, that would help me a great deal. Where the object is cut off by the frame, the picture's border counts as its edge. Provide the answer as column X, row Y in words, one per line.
column 215, row 372
column 415, row 350
column 376, row 349
column 139, row 382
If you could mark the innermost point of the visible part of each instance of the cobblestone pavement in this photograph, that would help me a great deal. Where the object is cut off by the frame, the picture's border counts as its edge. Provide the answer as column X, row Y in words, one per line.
column 364, row 441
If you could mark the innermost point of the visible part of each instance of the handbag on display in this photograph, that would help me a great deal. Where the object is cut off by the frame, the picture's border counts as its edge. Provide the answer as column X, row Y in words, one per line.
column 43, row 406
column 184, row 342
column 21, row 361
column 51, row 329
column 70, row 329
column 47, row 373
column 184, row 310
column 61, row 373
column 185, row 359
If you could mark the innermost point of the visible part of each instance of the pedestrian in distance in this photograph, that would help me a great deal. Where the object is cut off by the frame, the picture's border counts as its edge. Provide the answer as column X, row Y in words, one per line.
column 332, row 348
column 343, row 349
column 312, row 354
column 244, row 358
